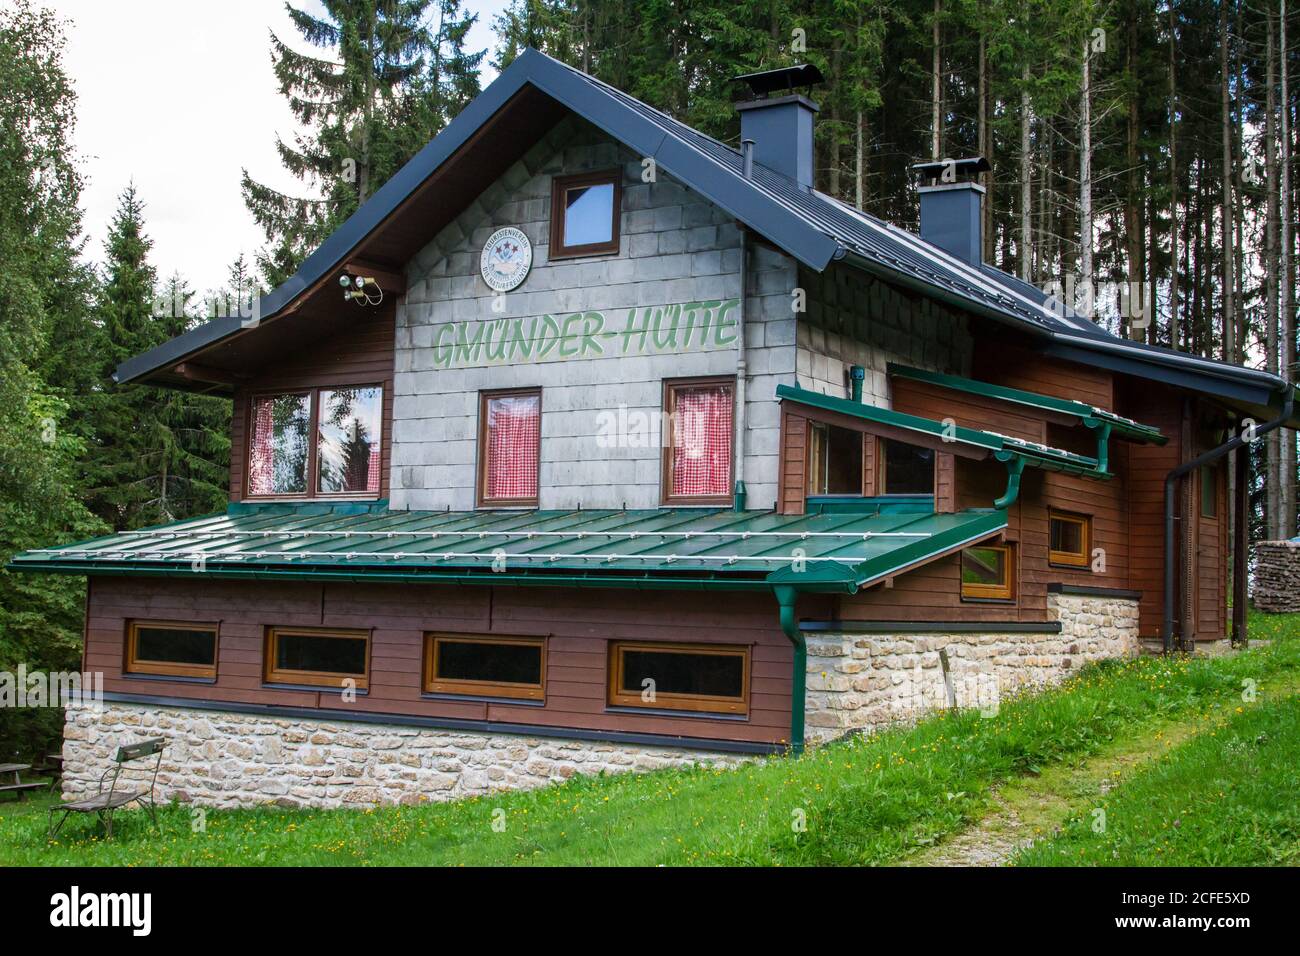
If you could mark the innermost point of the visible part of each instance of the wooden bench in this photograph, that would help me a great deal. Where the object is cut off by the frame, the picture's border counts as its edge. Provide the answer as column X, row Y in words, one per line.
column 106, row 801
column 17, row 786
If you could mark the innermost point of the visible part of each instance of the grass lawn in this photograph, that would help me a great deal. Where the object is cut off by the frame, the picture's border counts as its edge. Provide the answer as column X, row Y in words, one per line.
column 865, row 801
column 1225, row 798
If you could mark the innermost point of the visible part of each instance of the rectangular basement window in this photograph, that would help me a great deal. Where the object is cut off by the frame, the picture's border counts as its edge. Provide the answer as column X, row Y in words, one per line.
column 485, row 666
column 987, row 572
column 316, row 656
column 171, row 649
column 691, row 677
column 584, row 214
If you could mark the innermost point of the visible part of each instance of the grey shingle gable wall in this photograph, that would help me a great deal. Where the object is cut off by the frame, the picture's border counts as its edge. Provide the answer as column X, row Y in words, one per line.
column 675, row 247
column 810, row 227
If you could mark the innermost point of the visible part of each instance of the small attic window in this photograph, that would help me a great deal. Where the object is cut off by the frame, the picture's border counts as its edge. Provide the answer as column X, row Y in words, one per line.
column 584, row 214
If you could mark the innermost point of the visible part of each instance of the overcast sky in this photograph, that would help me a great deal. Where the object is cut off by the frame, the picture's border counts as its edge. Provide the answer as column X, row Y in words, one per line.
column 179, row 96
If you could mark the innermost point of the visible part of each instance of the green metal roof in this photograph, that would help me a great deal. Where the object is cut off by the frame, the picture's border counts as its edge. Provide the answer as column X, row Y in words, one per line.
column 1088, row 415
column 673, row 548
column 1000, row 446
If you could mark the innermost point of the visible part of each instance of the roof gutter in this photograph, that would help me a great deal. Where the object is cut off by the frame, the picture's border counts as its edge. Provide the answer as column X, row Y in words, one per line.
column 121, row 569
column 1171, row 479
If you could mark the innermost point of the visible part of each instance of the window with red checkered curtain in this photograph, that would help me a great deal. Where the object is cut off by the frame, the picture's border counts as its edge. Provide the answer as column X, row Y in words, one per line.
column 700, row 457
column 512, row 433
column 344, row 459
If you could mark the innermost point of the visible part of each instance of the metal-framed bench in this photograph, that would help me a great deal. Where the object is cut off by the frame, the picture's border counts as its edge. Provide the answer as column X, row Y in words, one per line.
column 106, row 801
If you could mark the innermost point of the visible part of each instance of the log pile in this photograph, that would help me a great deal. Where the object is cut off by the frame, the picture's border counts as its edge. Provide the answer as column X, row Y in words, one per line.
column 1276, row 585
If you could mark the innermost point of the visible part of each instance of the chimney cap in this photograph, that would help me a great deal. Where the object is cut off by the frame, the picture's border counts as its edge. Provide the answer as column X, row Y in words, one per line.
column 962, row 170
column 784, row 79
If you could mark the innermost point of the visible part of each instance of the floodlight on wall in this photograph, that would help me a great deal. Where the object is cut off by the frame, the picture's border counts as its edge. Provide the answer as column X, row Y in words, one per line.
column 363, row 290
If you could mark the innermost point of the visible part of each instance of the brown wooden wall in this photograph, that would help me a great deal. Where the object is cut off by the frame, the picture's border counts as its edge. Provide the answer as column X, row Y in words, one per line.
column 578, row 624
column 363, row 356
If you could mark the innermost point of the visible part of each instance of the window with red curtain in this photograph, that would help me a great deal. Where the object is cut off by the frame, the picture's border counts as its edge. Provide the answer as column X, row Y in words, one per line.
column 342, row 458
column 278, row 451
column 511, row 436
column 699, row 461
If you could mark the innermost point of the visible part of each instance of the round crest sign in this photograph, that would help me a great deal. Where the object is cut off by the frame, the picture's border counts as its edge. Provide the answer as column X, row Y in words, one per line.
column 506, row 259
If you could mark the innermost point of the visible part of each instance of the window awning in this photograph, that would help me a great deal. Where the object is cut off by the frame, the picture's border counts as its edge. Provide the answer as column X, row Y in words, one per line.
column 975, row 443
column 1088, row 415
column 665, row 548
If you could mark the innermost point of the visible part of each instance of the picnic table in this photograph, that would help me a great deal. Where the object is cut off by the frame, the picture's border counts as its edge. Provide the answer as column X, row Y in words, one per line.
column 16, row 785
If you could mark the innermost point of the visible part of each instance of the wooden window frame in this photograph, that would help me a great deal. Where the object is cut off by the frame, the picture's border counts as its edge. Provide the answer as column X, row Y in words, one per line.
column 666, row 497
column 560, row 185
column 327, row 679
column 132, row 664
column 992, row 592
column 481, row 688
column 882, row 470
column 812, row 428
column 1211, row 472
column 691, row 703
column 312, row 493
column 481, row 481
column 1070, row 559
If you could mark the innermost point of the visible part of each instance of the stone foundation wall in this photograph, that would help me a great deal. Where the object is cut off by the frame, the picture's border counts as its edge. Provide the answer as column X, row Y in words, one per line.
column 221, row 759
column 862, row 682
column 1275, row 586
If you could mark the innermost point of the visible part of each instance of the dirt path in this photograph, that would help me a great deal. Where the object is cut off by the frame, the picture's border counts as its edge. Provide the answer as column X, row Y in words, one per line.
column 1027, row 808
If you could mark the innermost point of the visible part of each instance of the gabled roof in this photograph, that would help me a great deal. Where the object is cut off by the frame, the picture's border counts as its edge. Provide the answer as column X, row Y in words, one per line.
column 662, row 548
column 810, row 226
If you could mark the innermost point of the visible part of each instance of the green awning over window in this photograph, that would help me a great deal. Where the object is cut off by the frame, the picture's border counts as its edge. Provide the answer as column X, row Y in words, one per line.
column 1088, row 415
column 1002, row 447
column 667, row 548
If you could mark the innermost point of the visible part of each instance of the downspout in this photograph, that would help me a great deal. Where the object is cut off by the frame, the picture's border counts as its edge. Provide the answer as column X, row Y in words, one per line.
column 856, row 374
column 738, row 440
column 1103, row 443
column 786, row 597
column 1015, row 467
column 1171, row 479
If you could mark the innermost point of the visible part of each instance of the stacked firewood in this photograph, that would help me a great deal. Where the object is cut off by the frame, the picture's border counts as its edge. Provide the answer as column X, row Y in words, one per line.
column 1276, row 583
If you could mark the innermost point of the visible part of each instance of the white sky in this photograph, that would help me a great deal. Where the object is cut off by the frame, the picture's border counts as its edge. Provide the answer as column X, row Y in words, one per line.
column 179, row 95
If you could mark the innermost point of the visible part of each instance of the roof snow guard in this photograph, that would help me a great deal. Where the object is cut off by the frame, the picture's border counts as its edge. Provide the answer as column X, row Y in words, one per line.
column 686, row 549
column 812, row 227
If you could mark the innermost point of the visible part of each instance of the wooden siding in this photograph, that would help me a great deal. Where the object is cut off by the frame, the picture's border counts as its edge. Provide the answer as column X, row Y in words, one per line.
column 1147, row 465
column 792, row 480
column 1004, row 364
column 362, row 356
column 578, row 624
column 969, row 411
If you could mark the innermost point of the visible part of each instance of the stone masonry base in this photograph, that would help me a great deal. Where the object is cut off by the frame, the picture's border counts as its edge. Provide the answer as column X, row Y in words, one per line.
column 860, row 682
column 222, row 759
column 857, row 682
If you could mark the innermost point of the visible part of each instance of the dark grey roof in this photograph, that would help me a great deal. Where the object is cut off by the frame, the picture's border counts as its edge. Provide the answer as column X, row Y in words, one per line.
column 812, row 227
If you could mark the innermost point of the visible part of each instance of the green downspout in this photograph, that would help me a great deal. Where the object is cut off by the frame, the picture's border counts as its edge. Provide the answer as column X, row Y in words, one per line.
column 1103, row 442
column 786, row 596
column 856, row 374
column 1015, row 465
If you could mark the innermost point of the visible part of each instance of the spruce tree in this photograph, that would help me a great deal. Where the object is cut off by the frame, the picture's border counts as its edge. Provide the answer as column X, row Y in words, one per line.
column 382, row 87
column 42, row 313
